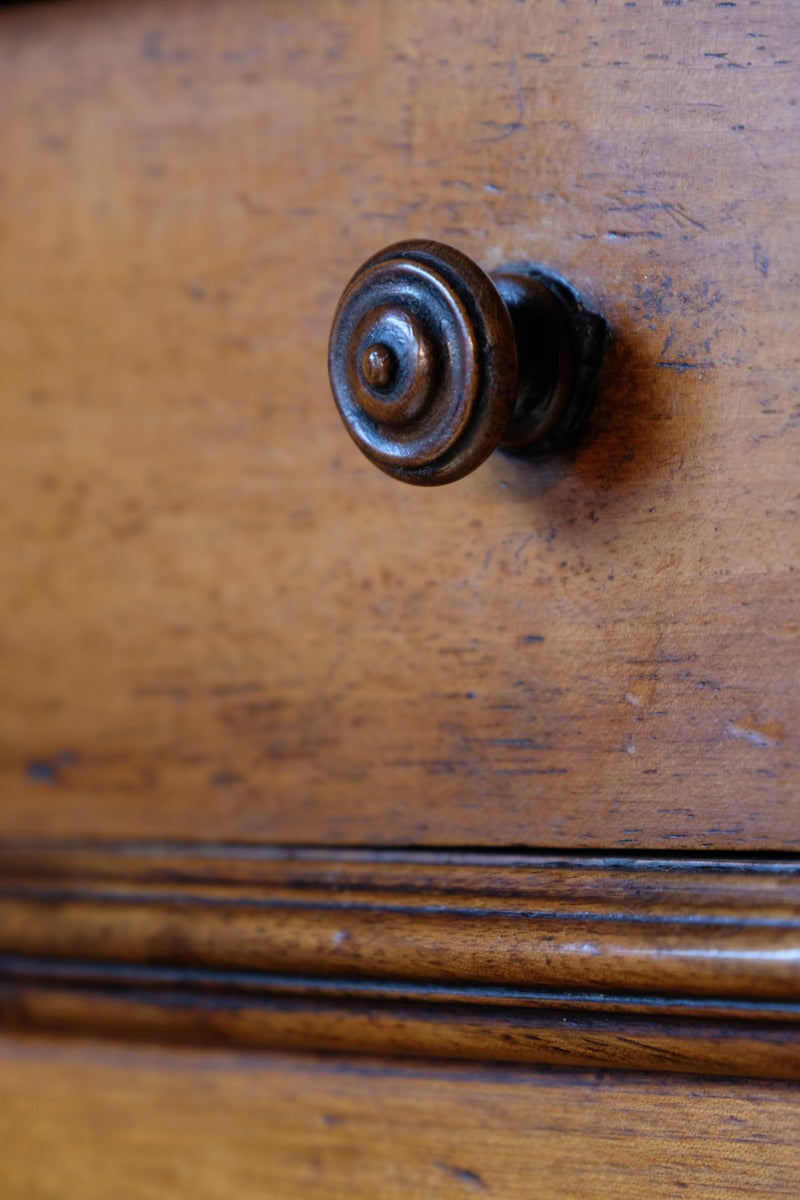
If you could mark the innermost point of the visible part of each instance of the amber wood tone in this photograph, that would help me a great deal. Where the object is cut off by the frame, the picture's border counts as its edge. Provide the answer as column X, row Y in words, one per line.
column 642, row 964
column 218, row 621
column 94, row 1120
column 293, row 757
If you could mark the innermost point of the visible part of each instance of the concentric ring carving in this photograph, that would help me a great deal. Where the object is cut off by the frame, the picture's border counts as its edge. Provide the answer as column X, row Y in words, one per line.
column 423, row 362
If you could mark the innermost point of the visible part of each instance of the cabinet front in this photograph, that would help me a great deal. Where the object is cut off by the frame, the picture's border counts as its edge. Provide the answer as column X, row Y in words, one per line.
column 298, row 756
column 218, row 619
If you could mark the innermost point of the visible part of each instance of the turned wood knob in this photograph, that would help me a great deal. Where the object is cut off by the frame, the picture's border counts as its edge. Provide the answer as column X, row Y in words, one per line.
column 434, row 364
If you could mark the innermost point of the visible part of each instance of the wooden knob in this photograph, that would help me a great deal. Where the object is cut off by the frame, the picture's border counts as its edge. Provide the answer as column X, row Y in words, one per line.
column 433, row 363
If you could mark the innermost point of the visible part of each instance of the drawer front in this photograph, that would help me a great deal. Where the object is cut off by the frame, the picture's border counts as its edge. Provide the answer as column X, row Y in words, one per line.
column 218, row 620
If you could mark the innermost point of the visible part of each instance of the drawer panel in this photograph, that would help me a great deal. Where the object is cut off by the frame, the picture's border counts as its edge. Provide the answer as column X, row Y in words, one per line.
column 217, row 619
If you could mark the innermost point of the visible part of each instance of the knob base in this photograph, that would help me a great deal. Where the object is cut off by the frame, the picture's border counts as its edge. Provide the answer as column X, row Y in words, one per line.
column 560, row 348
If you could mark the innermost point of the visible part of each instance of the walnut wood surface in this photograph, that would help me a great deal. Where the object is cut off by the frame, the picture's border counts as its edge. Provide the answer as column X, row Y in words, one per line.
column 638, row 964
column 94, row 1120
column 218, row 625
column 217, row 621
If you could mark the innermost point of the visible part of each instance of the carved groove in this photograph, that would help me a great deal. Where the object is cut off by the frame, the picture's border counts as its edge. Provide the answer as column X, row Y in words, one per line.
column 433, row 364
column 447, row 382
column 524, row 958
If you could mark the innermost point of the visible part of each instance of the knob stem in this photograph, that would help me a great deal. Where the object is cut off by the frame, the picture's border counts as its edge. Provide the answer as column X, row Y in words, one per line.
column 560, row 349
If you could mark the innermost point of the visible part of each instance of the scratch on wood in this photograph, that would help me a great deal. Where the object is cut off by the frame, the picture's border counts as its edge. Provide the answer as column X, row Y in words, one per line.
column 465, row 1175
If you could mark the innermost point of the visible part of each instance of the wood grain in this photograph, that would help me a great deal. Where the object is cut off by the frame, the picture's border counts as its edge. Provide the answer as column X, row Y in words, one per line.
column 94, row 1120
column 216, row 620
column 162, row 1011
column 639, row 964
column 592, row 927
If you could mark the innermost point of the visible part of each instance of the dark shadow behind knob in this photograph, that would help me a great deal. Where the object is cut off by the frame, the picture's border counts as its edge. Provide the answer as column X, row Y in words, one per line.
column 434, row 364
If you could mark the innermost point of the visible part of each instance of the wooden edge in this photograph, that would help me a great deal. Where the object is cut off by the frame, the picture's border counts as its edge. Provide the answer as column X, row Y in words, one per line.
column 436, row 1032
column 685, row 965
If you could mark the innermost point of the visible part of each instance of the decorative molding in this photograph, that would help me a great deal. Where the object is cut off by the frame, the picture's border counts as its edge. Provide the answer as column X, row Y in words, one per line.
column 681, row 964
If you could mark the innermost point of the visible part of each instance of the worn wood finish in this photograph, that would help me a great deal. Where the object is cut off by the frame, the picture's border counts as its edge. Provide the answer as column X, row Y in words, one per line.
column 217, row 621
column 226, row 641
column 641, row 964
column 90, row 1120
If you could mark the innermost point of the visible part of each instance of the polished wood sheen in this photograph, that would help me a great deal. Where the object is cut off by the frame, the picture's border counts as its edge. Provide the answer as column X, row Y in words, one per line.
column 217, row 621
column 620, row 962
